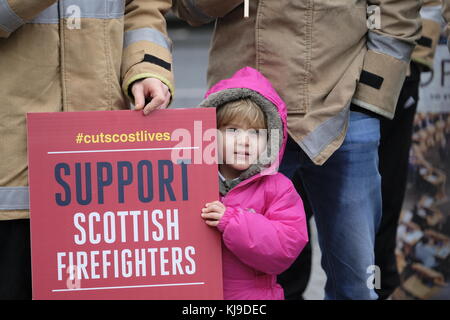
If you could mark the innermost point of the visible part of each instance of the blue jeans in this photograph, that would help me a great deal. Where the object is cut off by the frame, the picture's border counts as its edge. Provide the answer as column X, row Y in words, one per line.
column 345, row 196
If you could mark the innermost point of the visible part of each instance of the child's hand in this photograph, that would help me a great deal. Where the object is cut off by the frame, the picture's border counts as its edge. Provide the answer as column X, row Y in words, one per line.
column 213, row 212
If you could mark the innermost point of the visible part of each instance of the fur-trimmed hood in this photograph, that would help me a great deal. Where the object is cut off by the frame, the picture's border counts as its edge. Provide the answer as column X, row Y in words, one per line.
column 251, row 84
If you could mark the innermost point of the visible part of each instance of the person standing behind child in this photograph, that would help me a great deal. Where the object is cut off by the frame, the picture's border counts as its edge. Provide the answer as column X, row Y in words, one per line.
column 339, row 65
column 446, row 14
column 61, row 56
column 260, row 215
column 394, row 149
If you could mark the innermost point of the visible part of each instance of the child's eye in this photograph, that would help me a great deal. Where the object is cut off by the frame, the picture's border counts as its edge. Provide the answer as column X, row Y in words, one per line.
column 230, row 130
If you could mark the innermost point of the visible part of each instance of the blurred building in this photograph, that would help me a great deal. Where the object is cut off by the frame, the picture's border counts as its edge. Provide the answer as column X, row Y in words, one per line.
column 190, row 54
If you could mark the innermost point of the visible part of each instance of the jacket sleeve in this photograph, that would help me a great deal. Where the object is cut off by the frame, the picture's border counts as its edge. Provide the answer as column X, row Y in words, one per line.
column 446, row 14
column 271, row 242
column 394, row 26
column 147, row 47
column 431, row 30
column 15, row 13
column 198, row 12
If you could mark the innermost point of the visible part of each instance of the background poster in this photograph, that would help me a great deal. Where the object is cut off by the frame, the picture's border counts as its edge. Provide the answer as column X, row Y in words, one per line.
column 423, row 237
column 115, row 205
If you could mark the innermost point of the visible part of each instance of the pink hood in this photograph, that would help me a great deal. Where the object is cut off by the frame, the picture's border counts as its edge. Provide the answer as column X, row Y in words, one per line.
column 250, row 83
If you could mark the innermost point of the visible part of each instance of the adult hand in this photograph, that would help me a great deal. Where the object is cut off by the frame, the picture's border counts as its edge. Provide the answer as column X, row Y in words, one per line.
column 152, row 90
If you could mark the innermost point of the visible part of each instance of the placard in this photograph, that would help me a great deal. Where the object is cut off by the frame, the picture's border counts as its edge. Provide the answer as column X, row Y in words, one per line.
column 115, row 203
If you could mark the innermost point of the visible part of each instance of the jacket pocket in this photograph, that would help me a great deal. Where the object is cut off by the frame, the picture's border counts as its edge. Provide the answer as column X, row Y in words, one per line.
column 338, row 37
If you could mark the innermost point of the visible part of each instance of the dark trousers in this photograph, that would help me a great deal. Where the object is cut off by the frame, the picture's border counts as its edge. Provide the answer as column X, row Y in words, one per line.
column 295, row 279
column 15, row 260
column 394, row 149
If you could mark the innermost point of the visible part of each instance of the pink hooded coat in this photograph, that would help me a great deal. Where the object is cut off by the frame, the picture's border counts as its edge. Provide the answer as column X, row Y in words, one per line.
column 264, row 225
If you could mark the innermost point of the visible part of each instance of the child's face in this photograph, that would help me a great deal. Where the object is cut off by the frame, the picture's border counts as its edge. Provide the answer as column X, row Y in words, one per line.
column 241, row 145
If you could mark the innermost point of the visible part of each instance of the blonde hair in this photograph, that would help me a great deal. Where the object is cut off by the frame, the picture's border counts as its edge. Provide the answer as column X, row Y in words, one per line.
column 243, row 110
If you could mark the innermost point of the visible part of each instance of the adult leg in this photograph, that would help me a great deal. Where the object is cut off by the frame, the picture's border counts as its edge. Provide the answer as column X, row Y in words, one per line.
column 394, row 149
column 15, row 260
column 345, row 196
column 295, row 279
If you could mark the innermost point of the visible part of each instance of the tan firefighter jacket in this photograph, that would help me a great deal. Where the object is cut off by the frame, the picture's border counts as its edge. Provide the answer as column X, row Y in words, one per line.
column 70, row 55
column 320, row 55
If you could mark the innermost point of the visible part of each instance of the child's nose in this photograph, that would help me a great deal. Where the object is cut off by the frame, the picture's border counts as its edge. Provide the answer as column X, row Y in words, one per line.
column 244, row 138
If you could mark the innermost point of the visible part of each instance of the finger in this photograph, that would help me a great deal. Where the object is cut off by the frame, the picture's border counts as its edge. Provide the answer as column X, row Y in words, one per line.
column 139, row 98
column 212, row 216
column 211, row 208
column 212, row 223
column 216, row 202
column 220, row 204
column 157, row 95
column 154, row 104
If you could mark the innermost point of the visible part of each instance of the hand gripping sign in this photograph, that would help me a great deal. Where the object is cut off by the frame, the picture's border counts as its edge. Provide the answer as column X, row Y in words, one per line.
column 115, row 205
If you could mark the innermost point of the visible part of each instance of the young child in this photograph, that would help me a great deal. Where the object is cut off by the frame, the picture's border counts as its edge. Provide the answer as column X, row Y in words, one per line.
column 260, row 214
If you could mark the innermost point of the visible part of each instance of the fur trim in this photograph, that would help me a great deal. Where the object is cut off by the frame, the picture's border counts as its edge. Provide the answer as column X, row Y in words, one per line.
column 273, row 121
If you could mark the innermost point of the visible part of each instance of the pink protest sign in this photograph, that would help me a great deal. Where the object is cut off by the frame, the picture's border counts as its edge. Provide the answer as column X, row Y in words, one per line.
column 115, row 205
